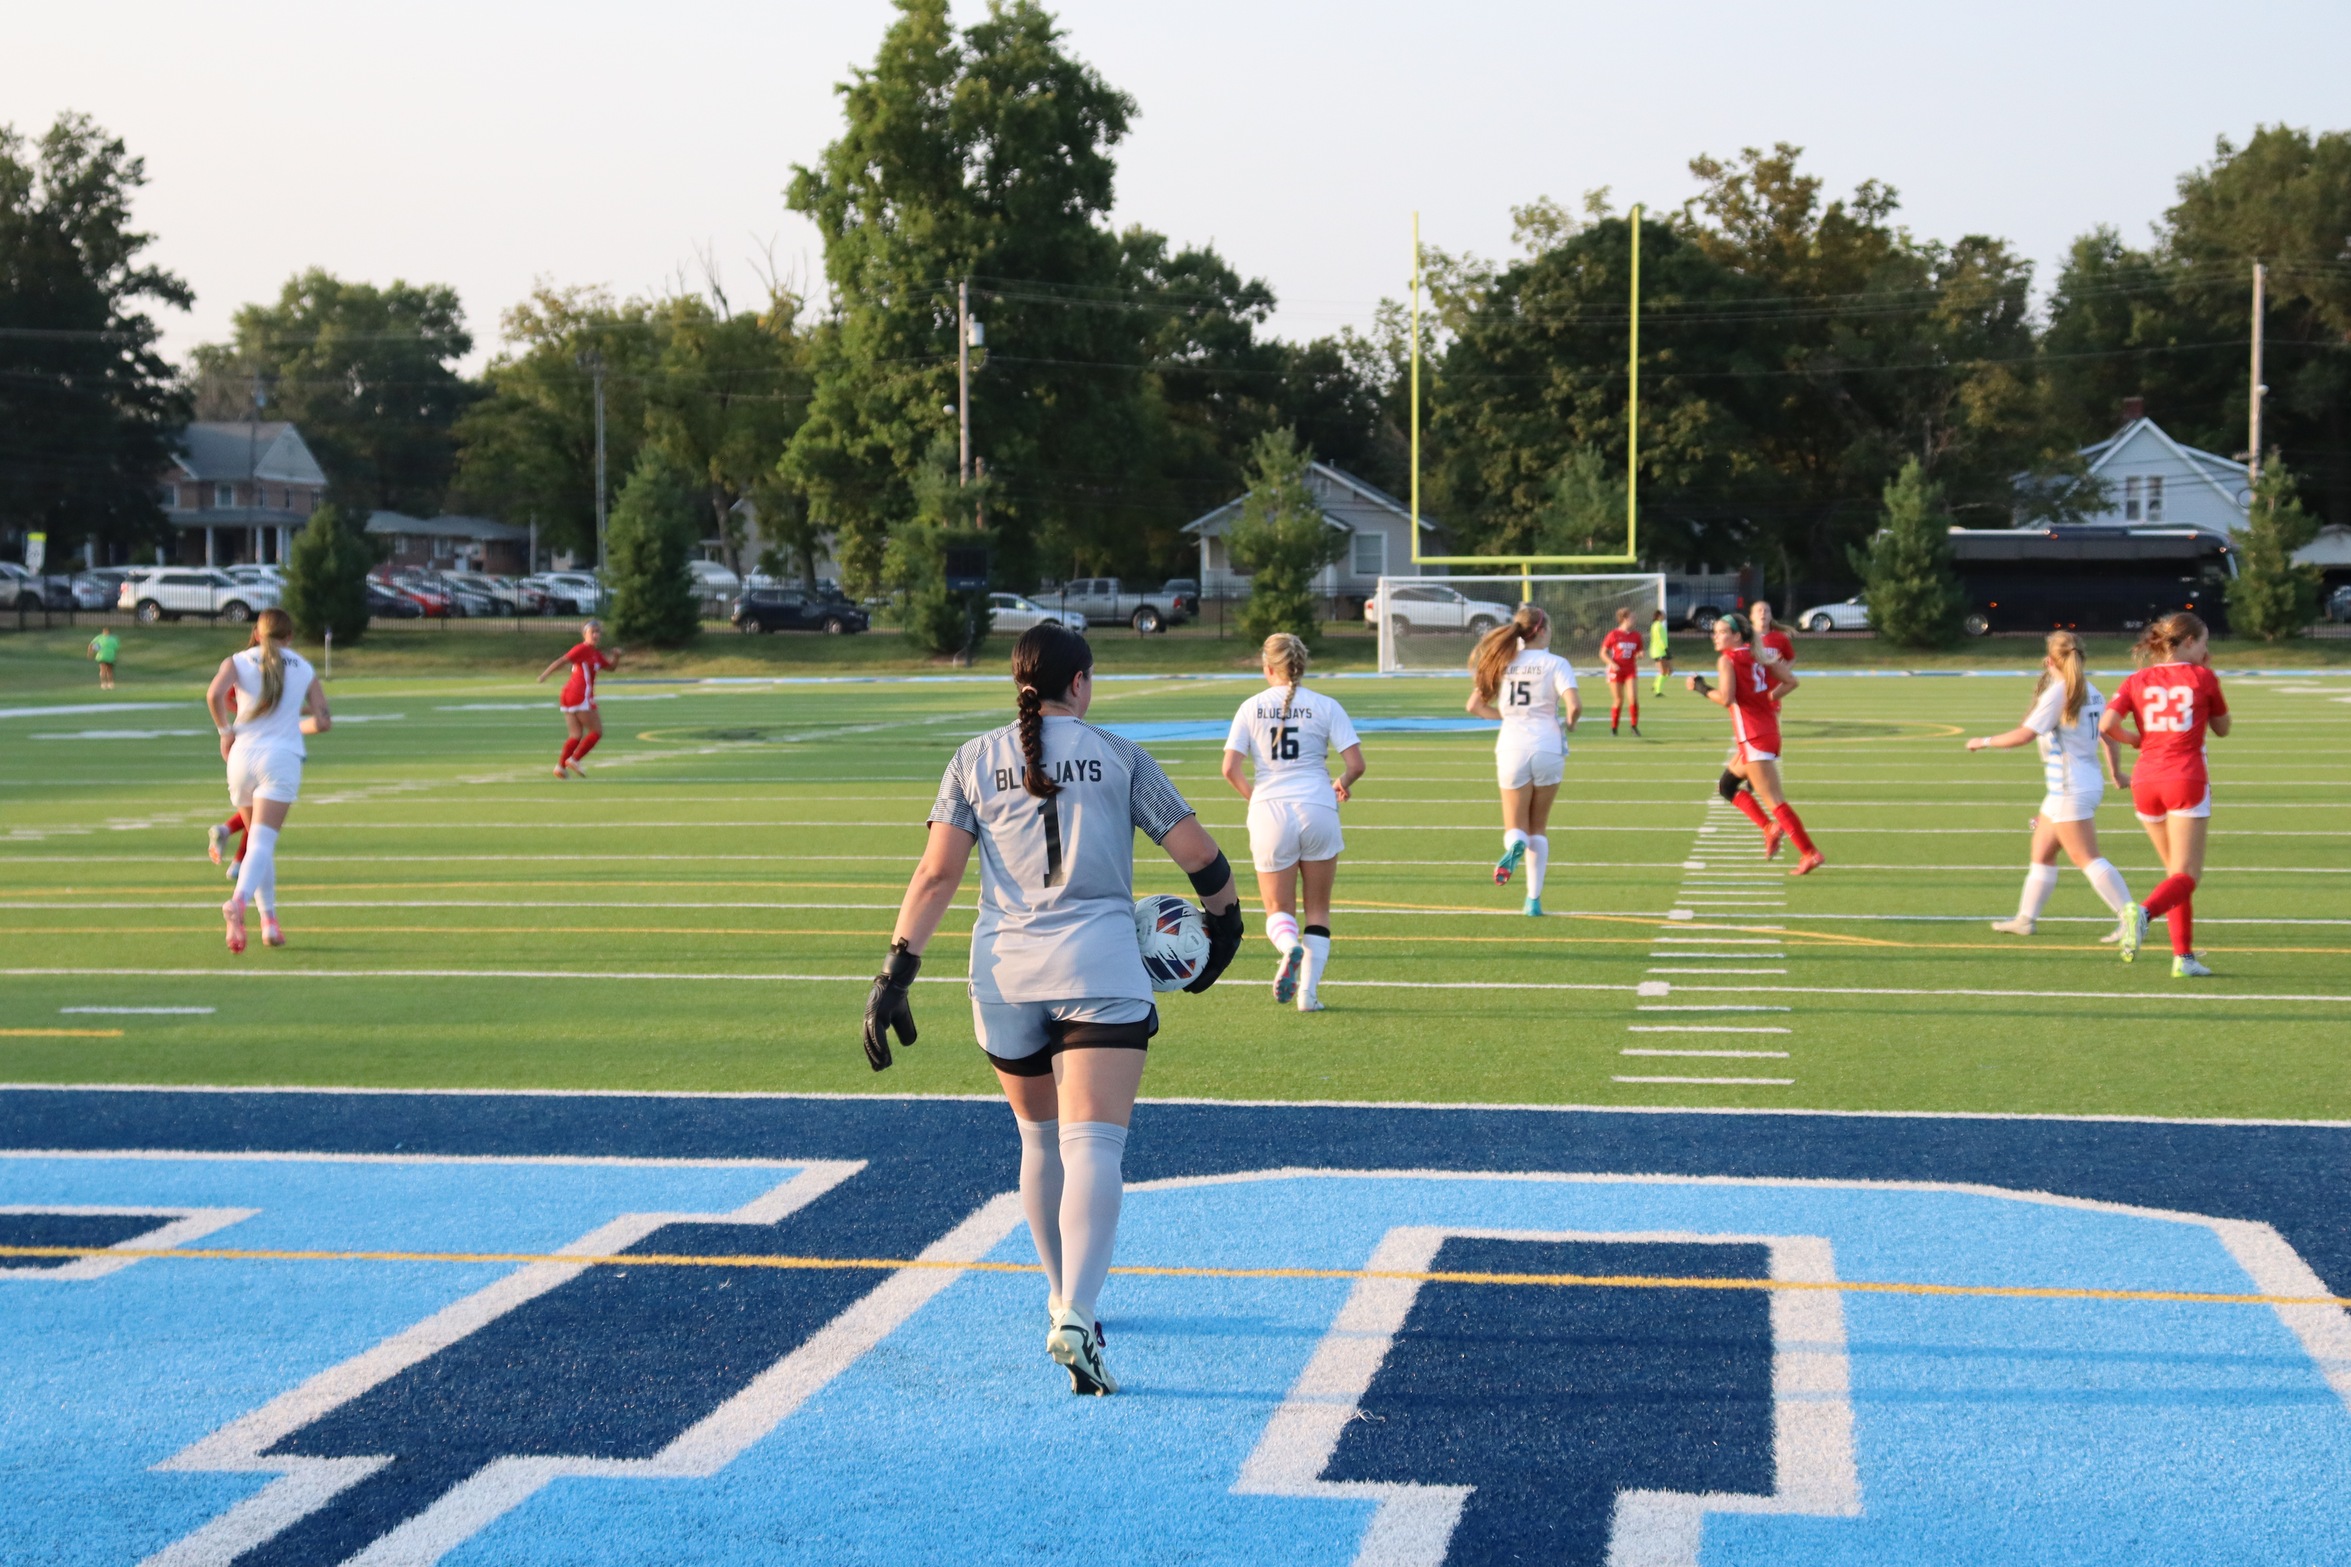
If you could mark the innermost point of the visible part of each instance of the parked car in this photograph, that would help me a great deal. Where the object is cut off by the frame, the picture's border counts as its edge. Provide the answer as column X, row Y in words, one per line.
column 97, row 590
column 384, row 604
column 1106, row 601
column 480, row 588
column 1010, row 612
column 762, row 610
column 57, row 591
column 2339, row 603
column 570, row 592
column 1184, row 594
column 712, row 580
column 428, row 599
column 1425, row 607
column 1850, row 615
column 252, row 572
column 19, row 588
column 168, row 592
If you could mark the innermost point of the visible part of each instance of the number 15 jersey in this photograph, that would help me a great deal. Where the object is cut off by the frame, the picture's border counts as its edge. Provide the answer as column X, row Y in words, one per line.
column 1057, row 876
column 1288, row 740
column 2174, row 704
column 1532, row 689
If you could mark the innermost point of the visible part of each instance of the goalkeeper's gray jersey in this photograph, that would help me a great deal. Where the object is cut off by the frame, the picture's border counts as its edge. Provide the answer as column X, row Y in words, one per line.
column 1057, row 876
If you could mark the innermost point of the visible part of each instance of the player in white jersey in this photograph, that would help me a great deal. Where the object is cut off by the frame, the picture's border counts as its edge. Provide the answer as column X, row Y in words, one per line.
column 1059, row 996
column 2076, row 761
column 1514, row 677
column 1285, row 737
column 276, row 701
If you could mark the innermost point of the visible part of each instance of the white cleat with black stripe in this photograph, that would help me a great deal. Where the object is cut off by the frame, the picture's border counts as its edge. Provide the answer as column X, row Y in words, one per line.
column 1076, row 1345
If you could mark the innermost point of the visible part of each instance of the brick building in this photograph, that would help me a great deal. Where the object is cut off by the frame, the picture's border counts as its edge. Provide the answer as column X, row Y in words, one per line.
column 237, row 493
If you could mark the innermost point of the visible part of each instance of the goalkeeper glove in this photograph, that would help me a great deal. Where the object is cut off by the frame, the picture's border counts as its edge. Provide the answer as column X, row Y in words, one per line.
column 887, row 1008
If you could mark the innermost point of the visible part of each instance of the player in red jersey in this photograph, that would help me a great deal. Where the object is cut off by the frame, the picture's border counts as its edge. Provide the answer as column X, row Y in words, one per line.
column 2176, row 698
column 1770, row 635
column 584, row 726
column 1751, row 689
column 1620, row 650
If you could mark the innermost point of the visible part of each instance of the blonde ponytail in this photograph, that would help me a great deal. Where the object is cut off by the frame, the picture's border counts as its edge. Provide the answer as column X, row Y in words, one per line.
column 272, row 630
column 1499, row 646
column 1284, row 657
column 2065, row 651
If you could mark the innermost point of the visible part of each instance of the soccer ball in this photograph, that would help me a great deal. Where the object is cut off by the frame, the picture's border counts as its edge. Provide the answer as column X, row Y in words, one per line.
column 1174, row 940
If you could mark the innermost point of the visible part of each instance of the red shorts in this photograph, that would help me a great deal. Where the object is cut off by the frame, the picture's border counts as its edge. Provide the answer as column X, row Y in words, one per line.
column 1617, row 672
column 2177, row 794
column 1755, row 740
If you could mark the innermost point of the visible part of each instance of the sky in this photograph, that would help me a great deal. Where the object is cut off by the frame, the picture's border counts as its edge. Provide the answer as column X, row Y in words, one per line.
column 493, row 144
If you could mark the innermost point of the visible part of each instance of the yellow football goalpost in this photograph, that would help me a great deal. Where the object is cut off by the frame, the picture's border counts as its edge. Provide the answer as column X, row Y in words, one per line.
column 1632, row 476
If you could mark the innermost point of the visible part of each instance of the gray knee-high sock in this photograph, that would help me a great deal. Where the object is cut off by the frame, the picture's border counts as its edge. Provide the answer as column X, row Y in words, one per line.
column 1092, row 1153
column 1040, row 1194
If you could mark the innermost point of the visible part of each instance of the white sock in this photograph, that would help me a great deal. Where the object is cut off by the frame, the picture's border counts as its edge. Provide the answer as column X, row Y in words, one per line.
column 1282, row 931
column 1040, row 1194
column 2109, row 884
column 1539, row 852
column 2039, row 882
column 1511, row 838
column 1091, row 1152
column 258, row 870
column 1318, row 956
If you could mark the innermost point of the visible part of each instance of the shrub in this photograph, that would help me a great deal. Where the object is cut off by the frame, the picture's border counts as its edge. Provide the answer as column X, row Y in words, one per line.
column 1906, row 576
column 651, row 536
column 2271, row 597
column 1281, row 539
column 326, row 578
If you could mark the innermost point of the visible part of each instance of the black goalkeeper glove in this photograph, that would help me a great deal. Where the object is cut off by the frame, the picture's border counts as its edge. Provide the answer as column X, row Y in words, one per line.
column 1225, row 933
column 887, row 1008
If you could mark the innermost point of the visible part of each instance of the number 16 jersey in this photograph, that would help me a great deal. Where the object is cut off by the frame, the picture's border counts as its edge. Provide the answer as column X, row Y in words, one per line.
column 2174, row 703
column 1288, row 738
column 1057, row 876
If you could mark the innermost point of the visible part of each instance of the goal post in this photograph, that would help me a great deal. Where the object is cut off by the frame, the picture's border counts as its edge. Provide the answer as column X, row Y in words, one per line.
column 1430, row 624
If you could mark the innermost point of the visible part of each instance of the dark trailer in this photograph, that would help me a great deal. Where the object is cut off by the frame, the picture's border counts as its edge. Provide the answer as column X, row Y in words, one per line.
column 2089, row 578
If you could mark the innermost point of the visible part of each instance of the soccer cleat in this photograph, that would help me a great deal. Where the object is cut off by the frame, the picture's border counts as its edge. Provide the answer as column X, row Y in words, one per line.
column 2019, row 926
column 271, row 935
column 216, row 842
column 559, row 772
column 1285, row 978
column 232, row 867
column 1076, row 1346
column 1773, row 837
column 1308, row 1003
column 577, row 771
column 2110, row 938
column 233, row 912
column 1507, row 866
column 2131, row 931
column 1534, row 908
column 1809, row 863
column 2187, row 967
column 1636, row 731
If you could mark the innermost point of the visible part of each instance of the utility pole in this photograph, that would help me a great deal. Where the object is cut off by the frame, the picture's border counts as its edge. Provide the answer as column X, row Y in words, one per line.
column 593, row 362
column 2253, row 415
column 253, row 462
column 963, row 380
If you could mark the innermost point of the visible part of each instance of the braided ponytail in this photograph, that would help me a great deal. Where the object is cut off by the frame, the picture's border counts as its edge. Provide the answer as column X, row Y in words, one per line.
column 1284, row 657
column 1045, row 661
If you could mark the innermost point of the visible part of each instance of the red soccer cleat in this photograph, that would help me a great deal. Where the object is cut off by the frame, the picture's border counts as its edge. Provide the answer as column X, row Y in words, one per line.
column 1773, row 837
column 1810, row 863
column 271, row 935
column 233, row 912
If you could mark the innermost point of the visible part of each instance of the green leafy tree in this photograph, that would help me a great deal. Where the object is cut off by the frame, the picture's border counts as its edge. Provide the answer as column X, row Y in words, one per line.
column 2271, row 597
column 326, row 577
column 727, row 390
column 88, row 407
column 1281, row 538
column 1584, row 514
column 914, row 563
column 1906, row 573
column 368, row 373
column 652, row 533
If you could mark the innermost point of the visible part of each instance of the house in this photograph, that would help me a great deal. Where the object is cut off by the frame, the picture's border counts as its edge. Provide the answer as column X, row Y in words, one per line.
column 1377, row 525
column 453, row 543
column 236, row 493
column 2152, row 479
column 2330, row 552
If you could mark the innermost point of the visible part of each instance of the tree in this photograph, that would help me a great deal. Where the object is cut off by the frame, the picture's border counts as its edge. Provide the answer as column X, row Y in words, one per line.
column 1907, row 577
column 652, row 533
column 368, row 373
column 88, row 408
column 725, row 393
column 1281, row 538
column 2271, row 597
column 936, row 620
column 1585, row 511
column 326, row 577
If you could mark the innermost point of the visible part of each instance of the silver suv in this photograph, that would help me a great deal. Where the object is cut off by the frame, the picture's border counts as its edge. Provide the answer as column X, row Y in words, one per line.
column 168, row 592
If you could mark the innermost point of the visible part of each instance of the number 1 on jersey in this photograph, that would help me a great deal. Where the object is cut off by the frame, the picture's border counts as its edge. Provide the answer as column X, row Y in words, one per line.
column 1049, row 812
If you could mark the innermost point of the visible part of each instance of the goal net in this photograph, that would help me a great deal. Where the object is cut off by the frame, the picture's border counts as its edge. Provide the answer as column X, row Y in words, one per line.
column 1432, row 623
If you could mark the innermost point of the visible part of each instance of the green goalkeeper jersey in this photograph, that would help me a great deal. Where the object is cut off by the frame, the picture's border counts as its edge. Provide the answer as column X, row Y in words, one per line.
column 1657, row 643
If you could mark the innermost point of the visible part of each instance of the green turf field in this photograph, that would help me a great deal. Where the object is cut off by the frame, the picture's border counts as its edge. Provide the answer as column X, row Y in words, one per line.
column 702, row 913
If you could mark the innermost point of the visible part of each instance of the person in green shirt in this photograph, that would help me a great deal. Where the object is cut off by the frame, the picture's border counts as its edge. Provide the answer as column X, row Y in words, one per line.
column 103, row 647
column 1660, row 650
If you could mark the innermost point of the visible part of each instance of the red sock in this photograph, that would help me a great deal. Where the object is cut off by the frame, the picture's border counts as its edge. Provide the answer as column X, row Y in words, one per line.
column 1636, row 712
column 234, row 826
column 570, row 747
column 1752, row 811
column 2170, row 891
column 587, row 744
column 1793, row 825
column 2182, row 919
column 1615, row 712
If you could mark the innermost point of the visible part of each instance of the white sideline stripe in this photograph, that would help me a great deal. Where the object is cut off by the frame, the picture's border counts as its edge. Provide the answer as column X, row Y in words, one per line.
column 1701, row 1028
column 1709, row 970
column 1742, row 1055
column 75, row 709
column 1759, row 1082
column 143, row 1011
column 1732, row 988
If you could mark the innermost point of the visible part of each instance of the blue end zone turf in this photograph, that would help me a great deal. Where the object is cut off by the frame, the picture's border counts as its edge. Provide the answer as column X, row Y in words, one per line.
column 489, row 1411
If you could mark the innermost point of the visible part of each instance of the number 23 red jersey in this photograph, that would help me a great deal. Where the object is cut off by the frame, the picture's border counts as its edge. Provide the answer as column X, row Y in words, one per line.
column 1621, row 648
column 2173, row 704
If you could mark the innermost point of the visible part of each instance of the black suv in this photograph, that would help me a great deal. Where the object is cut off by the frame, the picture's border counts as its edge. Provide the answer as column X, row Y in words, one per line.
column 796, row 609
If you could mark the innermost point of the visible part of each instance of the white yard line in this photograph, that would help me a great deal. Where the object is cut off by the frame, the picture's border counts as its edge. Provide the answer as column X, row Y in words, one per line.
column 1714, row 1082
column 1724, row 1055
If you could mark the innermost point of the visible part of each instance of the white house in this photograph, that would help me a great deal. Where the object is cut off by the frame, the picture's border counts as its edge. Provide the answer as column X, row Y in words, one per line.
column 2152, row 479
column 1379, row 543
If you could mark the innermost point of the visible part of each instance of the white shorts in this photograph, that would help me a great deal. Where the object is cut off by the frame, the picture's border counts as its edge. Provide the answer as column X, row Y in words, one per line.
column 1024, row 1036
column 584, row 707
column 263, row 773
column 2071, row 807
column 1522, row 766
column 1283, row 832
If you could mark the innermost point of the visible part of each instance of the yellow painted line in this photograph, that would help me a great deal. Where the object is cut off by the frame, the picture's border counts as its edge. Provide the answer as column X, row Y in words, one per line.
column 60, row 1033
column 896, row 1264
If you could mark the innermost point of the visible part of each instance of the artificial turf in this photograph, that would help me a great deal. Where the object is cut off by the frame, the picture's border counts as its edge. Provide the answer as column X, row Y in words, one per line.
column 731, row 835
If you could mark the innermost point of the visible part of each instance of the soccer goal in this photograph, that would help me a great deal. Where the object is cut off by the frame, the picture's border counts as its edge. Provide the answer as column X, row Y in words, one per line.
column 1432, row 623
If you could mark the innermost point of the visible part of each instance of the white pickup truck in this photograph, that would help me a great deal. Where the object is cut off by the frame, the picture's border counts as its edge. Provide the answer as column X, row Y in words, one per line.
column 168, row 592
column 1424, row 607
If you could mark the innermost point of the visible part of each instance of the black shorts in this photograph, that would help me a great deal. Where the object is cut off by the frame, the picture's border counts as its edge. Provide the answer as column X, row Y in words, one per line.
column 1035, row 1023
